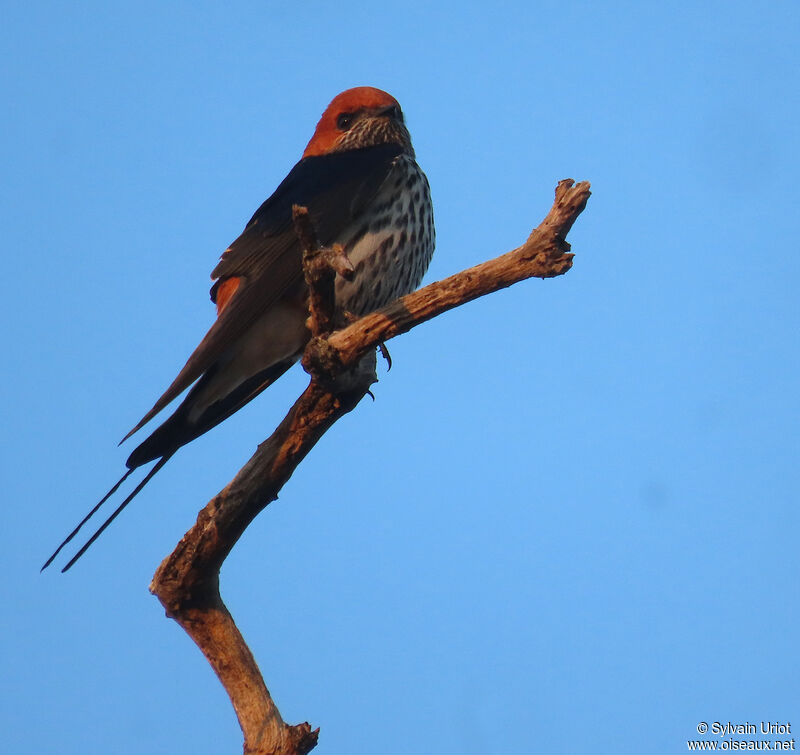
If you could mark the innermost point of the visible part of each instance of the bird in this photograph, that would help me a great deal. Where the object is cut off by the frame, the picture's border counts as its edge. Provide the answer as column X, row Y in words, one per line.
column 360, row 181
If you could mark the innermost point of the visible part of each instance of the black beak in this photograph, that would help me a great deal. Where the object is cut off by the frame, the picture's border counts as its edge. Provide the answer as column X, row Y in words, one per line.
column 393, row 112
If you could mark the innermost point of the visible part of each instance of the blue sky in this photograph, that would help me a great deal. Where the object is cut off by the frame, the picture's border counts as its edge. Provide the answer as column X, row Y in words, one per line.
column 568, row 523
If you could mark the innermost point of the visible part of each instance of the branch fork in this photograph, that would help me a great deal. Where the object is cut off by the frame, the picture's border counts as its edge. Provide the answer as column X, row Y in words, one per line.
column 342, row 364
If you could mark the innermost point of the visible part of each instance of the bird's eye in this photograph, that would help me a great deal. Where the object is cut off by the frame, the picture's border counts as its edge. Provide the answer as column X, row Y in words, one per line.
column 396, row 113
column 344, row 121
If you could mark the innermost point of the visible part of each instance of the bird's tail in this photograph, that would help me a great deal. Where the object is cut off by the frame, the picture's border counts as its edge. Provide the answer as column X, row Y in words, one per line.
column 161, row 462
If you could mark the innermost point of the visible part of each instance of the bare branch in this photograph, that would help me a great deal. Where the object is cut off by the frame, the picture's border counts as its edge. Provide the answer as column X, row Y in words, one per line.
column 543, row 255
column 320, row 267
column 342, row 368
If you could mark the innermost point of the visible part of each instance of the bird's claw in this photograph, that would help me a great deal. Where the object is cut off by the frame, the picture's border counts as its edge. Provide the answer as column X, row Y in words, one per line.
column 386, row 355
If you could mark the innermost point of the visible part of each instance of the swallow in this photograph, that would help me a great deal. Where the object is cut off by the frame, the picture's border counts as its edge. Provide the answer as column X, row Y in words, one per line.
column 359, row 179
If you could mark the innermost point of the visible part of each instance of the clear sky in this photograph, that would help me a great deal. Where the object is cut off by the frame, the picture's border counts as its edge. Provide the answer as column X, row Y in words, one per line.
column 569, row 521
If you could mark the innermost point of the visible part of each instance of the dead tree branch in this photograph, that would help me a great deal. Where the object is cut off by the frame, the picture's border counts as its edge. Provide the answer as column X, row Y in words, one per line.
column 342, row 368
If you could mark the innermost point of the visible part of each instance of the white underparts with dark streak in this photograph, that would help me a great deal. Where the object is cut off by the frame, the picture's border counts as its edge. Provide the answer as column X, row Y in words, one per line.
column 394, row 243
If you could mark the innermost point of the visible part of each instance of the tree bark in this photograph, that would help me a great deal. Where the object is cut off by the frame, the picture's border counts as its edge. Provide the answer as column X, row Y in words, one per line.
column 342, row 368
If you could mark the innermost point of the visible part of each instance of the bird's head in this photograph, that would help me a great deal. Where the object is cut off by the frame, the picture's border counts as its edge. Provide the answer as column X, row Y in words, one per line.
column 357, row 118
